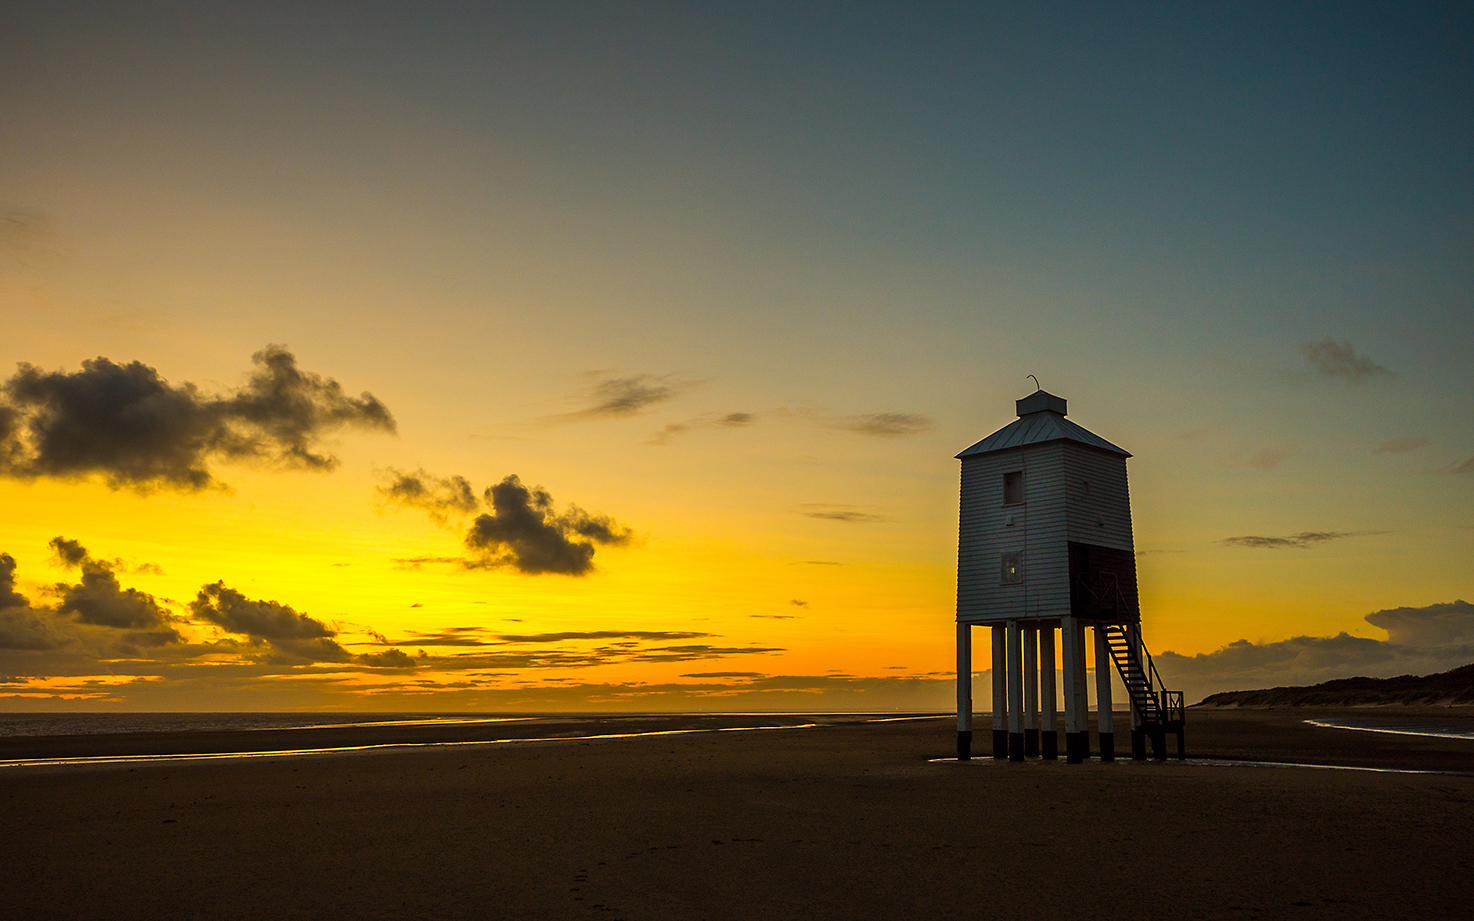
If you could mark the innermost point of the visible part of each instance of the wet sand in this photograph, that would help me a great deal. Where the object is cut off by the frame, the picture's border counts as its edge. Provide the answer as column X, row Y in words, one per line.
column 849, row 820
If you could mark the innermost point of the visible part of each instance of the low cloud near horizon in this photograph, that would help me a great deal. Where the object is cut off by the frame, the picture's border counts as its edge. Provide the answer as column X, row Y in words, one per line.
column 1420, row 641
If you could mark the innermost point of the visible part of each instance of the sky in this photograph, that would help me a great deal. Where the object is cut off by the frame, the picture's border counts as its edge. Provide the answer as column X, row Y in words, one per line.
column 469, row 357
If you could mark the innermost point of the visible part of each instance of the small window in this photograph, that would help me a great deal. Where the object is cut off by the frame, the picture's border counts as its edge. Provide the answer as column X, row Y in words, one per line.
column 1013, row 488
column 1013, row 568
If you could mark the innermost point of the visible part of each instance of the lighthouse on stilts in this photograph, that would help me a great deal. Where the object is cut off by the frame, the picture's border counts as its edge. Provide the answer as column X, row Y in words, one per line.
column 1045, row 545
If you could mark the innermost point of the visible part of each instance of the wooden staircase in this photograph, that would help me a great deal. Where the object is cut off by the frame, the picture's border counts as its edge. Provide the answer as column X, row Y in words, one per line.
column 1156, row 709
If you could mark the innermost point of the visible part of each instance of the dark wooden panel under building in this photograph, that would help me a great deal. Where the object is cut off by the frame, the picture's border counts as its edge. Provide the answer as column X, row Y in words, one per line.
column 1103, row 584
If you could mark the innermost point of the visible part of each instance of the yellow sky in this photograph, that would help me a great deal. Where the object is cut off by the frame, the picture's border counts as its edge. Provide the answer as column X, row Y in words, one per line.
column 811, row 283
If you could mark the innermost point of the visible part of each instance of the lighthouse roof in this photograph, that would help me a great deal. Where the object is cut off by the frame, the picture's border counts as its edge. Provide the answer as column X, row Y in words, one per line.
column 1041, row 419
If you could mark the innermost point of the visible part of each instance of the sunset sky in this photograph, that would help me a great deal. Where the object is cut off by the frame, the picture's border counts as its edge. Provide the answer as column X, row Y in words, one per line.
column 724, row 288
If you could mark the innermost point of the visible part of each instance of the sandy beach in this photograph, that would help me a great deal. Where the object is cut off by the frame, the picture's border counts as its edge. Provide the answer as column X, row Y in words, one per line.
column 846, row 820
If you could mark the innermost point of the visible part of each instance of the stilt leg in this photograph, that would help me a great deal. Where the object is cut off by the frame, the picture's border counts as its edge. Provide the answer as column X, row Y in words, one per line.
column 1015, row 693
column 1031, row 692
column 1000, row 692
column 1105, row 725
column 1077, row 748
column 964, row 692
column 1049, row 728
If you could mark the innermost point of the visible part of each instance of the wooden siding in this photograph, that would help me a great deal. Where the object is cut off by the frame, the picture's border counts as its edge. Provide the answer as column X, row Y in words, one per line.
column 1058, row 508
column 1038, row 534
column 1100, row 512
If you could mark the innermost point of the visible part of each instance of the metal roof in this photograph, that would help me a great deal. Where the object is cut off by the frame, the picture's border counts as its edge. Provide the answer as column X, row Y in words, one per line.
column 1039, row 426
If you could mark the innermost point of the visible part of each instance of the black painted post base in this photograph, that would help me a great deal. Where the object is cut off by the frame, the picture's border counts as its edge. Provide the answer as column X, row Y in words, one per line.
column 1031, row 743
column 1138, row 744
column 1000, row 743
column 1159, row 744
column 1015, row 746
column 1107, row 746
column 1181, row 744
column 1049, row 745
column 1077, row 746
column 964, row 745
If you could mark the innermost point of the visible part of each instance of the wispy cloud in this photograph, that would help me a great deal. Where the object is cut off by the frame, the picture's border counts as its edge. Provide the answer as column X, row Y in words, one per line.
column 708, row 421
column 1295, row 541
column 884, row 425
column 1464, row 469
column 1270, row 458
column 618, row 397
column 1401, row 445
column 1337, row 359
column 850, row 514
column 798, row 603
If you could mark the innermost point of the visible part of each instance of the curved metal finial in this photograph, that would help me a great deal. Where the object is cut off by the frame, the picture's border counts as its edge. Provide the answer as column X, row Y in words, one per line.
column 1037, row 386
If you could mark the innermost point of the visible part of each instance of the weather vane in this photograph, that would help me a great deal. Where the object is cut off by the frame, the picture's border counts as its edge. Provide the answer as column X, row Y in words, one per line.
column 1037, row 386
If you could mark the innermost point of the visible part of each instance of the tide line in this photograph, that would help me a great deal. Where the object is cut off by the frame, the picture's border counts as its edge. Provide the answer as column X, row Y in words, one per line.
column 379, row 746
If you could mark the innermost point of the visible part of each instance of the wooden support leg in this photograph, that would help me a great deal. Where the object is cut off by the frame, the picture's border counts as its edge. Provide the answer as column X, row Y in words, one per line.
column 1049, row 728
column 1105, row 725
column 1015, row 693
column 1000, row 693
column 1031, row 693
column 964, row 692
column 1077, row 740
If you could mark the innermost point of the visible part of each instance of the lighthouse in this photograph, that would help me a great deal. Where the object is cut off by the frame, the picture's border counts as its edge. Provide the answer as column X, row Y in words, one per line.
column 1045, row 549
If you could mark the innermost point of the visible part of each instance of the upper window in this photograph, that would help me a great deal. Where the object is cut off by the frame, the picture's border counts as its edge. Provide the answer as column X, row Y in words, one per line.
column 1011, row 566
column 1013, row 488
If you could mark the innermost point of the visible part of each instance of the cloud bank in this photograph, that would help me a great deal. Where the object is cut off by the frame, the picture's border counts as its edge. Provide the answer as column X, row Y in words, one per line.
column 133, row 428
column 1420, row 641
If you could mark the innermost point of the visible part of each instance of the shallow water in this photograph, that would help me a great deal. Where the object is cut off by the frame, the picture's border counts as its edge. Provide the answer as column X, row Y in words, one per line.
column 1401, row 726
column 70, row 724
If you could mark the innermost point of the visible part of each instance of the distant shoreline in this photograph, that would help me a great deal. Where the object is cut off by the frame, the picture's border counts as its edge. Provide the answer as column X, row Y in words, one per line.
column 1454, row 688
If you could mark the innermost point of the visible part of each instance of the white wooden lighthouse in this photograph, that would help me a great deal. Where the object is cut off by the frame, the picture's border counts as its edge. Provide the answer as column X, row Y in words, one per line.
column 1044, row 545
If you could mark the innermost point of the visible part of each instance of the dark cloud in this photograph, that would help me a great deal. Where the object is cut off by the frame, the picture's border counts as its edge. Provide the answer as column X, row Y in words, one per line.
column 723, row 675
column 99, row 599
column 1464, row 469
column 436, row 496
column 290, row 635
column 451, row 636
column 135, row 429
column 1401, row 445
column 774, row 616
column 1434, row 625
column 20, row 626
column 600, row 635
column 524, row 532
column 797, row 603
column 9, row 597
column 847, row 513
column 1294, row 541
column 818, row 563
column 1332, row 358
column 390, row 658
